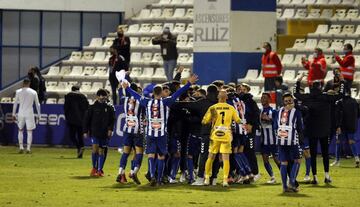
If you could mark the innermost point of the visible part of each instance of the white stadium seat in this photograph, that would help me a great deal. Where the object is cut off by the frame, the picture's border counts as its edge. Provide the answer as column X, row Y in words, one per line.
column 146, row 57
column 144, row 14
column 348, row 2
column 145, row 42
column 190, row 43
column 297, row 2
column 301, row 13
column 157, row 58
column 134, row 41
column 159, row 74
column 189, row 13
column 339, row 14
column 278, row 13
column 167, row 13
column 337, row 45
column 352, row 14
column 155, row 13
column 108, row 42
column 188, row 2
column 170, row 26
column 102, row 72
column 186, row 73
column 76, row 71
column 65, row 70
column 88, row 56
column 62, row 87
column 182, row 40
column 6, row 100
column 320, row 30
column 85, row 87
column 179, row 28
column 251, row 74
column 89, row 71
column 156, row 28
column 61, row 101
column 95, row 42
column 134, row 28
column 299, row 44
column 183, row 58
column 135, row 72
column 147, row 73
column 176, row 2
column 334, row 2
column 314, row 13
column 99, row 58
column 96, row 86
column 348, row 29
column 309, row 2
column 310, row 44
column 135, row 57
column 322, row 2
column 51, row 85
column 51, row 101
column 329, row 76
column 284, row 2
column 326, row 13
column 289, row 76
column 324, row 44
column 287, row 59
column 53, row 71
column 145, row 28
column 288, row 13
column 179, row 13
column 190, row 28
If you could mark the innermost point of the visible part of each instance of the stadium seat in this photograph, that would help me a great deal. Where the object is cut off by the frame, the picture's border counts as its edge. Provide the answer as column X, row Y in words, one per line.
column 309, row 2
column 314, row 14
column 189, row 13
column 255, row 91
column 96, row 86
column 100, row 58
column 352, row 14
column 145, row 28
column 51, row 101
column 326, row 13
column 183, row 58
column 71, row 84
column 259, row 79
column 278, row 13
column 135, row 72
column 176, row 2
column 147, row 73
column 354, row 92
column 357, row 60
column 191, row 59
column 329, row 60
column 88, row 57
column 324, row 44
column 170, row 26
column 329, row 76
column 146, row 57
column 288, row 13
column 357, row 77
column 159, row 74
column 53, row 71
column 306, row 90
column 134, row 41
column 297, row 60
column 101, row 72
column 251, row 74
column 289, row 76
column 186, row 73
column 61, row 101
column 167, row 13
column 188, row 2
column 164, row 2
column 108, row 42
column 297, row 2
column 133, row 29
column 75, row 57
column 190, row 28
column 89, row 71
column 301, row 13
column 85, row 87
column 6, row 100
column 155, row 13
column 190, row 43
column 348, row 41
column 62, row 87
column 348, row 2
column 287, row 59
column 136, row 57
column 348, row 30
column 182, row 40
column 310, row 44
column 322, row 2
column 298, row 45
column 145, row 42
column 320, row 30
column 156, row 28
column 179, row 28
column 51, row 85
column 157, row 58
column 76, row 71
column 339, row 14
column 334, row 2
column 95, row 43
column 337, row 45
column 65, row 70
column 144, row 14
column 284, row 2
column 179, row 13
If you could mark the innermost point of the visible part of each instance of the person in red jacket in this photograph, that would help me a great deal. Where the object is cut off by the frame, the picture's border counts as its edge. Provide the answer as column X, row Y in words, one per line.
column 347, row 66
column 316, row 67
column 271, row 67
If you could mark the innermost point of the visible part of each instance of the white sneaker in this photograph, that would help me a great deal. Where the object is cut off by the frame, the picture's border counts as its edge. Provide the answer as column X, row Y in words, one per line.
column 182, row 177
column 214, row 182
column 257, row 177
column 207, row 181
column 225, row 184
column 198, row 182
column 336, row 163
column 307, row 178
column 172, row 181
column 271, row 181
column 121, row 150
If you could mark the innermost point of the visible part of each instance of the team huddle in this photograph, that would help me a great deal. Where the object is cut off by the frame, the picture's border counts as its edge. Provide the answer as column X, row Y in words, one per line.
column 189, row 128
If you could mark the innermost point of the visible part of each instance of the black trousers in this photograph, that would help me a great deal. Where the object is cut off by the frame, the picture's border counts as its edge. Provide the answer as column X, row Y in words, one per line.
column 76, row 135
column 205, row 141
column 324, row 144
column 250, row 154
column 269, row 84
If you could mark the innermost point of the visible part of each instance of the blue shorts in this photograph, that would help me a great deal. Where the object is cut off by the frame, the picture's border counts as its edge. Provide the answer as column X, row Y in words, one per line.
column 103, row 143
column 156, row 145
column 347, row 136
column 133, row 140
column 174, row 145
column 270, row 150
column 289, row 153
column 304, row 143
column 238, row 140
column 193, row 145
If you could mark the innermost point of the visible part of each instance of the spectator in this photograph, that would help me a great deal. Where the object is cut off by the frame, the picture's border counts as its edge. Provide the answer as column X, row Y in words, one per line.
column 122, row 45
column 75, row 107
column 167, row 42
column 347, row 65
column 42, row 85
column 34, row 80
column 334, row 84
column 280, row 88
column 316, row 67
column 271, row 66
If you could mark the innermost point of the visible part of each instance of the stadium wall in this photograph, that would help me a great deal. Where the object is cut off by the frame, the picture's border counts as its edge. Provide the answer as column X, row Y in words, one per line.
column 228, row 56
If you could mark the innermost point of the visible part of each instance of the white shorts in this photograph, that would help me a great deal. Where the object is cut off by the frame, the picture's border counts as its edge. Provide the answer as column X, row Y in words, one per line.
column 28, row 120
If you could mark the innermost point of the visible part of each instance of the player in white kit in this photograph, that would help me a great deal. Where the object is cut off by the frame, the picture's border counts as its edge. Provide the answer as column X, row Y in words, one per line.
column 25, row 98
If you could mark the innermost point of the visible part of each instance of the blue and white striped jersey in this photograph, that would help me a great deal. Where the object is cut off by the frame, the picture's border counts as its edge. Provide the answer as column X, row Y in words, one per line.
column 133, row 112
column 267, row 126
column 288, row 126
column 241, row 109
column 157, row 111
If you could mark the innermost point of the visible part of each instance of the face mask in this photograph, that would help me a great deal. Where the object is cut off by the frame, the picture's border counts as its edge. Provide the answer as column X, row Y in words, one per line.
column 120, row 34
column 315, row 55
column 263, row 50
column 346, row 51
column 165, row 36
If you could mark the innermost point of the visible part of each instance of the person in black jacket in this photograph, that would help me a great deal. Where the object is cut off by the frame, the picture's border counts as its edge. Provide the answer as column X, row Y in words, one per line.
column 318, row 123
column 167, row 42
column 99, row 124
column 122, row 45
column 34, row 80
column 42, row 84
column 347, row 114
column 75, row 107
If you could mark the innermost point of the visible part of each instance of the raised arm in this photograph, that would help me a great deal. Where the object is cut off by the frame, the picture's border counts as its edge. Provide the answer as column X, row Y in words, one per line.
column 193, row 78
column 142, row 99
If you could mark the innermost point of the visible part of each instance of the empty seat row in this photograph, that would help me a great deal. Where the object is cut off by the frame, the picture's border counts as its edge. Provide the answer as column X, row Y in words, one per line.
column 149, row 73
column 78, row 72
column 157, row 28
column 327, row 45
column 174, row 3
column 88, row 57
column 85, row 87
column 303, row 13
column 167, row 14
column 336, row 30
column 316, row 2
column 98, row 42
column 156, row 58
column 183, row 42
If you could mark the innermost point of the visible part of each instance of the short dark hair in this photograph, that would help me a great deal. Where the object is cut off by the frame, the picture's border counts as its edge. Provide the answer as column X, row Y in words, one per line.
column 133, row 86
column 202, row 91
column 26, row 81
column 75, row 88
column 157, row 90
column 165, row 87
column 319, row 49
column 279, row 79
column 268, row 45
column 218, row 83
column 101, row 92
column 266, row 94
column 287, row 94
column 348, row 46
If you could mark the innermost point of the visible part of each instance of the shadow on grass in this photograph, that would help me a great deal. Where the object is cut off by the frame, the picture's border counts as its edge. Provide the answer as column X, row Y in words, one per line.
column 322, row 186
column 67, row 158
column 294, row 195
column 349, row 167
column 269, row 185
column 120, row 186
column 83, row 177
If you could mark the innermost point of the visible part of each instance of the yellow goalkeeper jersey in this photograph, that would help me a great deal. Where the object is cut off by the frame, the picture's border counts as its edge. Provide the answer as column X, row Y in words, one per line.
column 221, row 116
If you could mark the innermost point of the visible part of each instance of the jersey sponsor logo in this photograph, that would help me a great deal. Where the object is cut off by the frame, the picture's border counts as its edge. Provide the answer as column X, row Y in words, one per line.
column 220, row 133
column 283, row 134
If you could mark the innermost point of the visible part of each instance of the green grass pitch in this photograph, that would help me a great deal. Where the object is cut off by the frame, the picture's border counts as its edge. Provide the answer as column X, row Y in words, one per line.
column 53, row 177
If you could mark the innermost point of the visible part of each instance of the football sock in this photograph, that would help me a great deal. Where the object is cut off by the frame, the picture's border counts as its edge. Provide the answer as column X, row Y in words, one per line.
column 160, row 169
column 101, row 162
column 123, row 161
column 268, row 168
column 308, row 165
column 190, row 166
column 245, row 163
column 208, row 167
column 94, row 158
column 283, row 172
column 174, row 167
column 21, row 139
column 327, row 175
column 240, row 167
column 137, row 162
column 152, row 166
column 294, row 172
column 226, row 169
column 29, row 139
column 353, row 150
column 337, row 151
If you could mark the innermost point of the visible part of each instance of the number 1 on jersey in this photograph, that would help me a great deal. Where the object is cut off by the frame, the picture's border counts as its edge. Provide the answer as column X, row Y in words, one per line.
column 222, row 117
